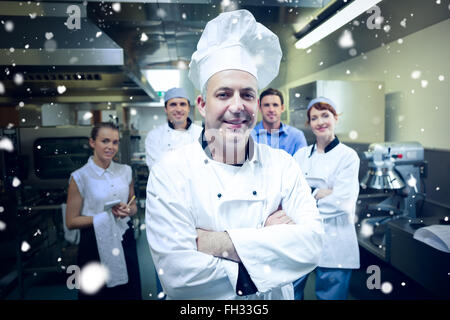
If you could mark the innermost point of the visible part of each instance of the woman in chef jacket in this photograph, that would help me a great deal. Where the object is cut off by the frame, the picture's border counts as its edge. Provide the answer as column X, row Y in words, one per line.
column 106, row 233
column 331, row 169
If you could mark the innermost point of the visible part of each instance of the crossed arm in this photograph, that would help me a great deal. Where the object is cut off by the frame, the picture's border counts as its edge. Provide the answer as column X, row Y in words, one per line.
column 219, row 244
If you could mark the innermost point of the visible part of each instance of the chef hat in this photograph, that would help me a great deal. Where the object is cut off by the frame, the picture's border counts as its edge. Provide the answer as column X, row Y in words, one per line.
column 323, row 100
column 234, row 40
column 175, row 93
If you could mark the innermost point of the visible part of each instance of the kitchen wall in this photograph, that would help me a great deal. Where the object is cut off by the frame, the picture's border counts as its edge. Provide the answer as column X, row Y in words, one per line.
column 416, row 74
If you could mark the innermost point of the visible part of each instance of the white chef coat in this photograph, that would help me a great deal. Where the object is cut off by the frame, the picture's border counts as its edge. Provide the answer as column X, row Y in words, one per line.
column 164, row 138
column 335, row 169
column 199, row 192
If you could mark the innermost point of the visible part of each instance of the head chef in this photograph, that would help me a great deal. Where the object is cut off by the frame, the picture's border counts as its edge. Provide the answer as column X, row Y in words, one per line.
column 235, row 57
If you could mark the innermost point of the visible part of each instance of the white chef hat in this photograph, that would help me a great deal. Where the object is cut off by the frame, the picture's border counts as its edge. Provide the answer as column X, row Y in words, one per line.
column 323, row 100
column 234, row 40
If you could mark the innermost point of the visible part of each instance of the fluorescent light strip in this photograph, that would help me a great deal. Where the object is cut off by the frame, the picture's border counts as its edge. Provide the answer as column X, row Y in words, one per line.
column 347, row 14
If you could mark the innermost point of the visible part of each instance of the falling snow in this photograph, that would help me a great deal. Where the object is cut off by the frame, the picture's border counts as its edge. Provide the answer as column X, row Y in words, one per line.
column 2, row 209
column 16, row 182
column 9, row 26
column 2, row 88
column 115, row 251
column 25, row 246
column 48, row 35
column 92, row 277
column 61, row 89
column 2, row 225
column 6, row 144
column 116, row 7
column 346, row 40
column 161, row 295
column 18, row 79
column 386, row 287
column 416, row 74
column 353, row 135
column 144, row 37
column 403, row 23
column 441, row 78
column 366, row 229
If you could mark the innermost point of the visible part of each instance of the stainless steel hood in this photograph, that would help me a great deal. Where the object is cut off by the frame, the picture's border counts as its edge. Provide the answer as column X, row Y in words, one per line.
column 43, row 59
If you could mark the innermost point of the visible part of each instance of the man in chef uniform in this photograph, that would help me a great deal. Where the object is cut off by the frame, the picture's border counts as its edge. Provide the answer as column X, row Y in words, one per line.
column 178, row 131
column 228, row 218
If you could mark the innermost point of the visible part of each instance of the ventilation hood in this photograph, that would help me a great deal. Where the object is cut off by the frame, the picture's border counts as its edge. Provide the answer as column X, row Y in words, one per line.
column 43, row 59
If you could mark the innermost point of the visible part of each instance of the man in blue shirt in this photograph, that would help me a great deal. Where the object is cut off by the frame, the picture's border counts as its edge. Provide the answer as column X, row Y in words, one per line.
column 271, row 130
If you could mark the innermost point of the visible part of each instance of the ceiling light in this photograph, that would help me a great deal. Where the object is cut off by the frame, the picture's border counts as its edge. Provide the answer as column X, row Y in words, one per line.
column 344, row 16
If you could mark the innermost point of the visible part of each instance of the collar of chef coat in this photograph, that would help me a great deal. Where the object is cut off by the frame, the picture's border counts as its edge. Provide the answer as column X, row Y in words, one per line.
column 252, row 156
column 99, row 170
column 328, row 148
column 189, row 122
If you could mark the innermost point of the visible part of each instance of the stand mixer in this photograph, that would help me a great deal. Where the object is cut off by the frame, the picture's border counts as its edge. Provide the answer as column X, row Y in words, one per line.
column 397, row 167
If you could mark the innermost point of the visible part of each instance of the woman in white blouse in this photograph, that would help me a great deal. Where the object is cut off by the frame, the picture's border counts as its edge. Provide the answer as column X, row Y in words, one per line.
column 106, row 233
column 331, row 169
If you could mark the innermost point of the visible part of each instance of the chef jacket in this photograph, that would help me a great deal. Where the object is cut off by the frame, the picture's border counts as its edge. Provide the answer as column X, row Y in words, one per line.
column 165, row 138
column 337, row 168
column 199, row 192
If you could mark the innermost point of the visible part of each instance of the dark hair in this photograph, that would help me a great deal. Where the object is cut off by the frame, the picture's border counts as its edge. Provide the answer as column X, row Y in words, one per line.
column 320, row 106
column 98, row 126
column 271, row 91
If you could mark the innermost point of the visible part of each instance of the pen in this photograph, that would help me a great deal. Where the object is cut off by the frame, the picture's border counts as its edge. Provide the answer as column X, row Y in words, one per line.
column 131, row 200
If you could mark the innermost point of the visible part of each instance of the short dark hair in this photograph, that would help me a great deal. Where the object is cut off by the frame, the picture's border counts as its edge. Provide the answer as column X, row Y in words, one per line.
column 271, row 91
column 98, row 126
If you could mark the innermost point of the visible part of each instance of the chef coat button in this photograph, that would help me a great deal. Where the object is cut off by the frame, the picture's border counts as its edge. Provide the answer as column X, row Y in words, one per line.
column 206, row 161
column 219, row 195
column 255, row 193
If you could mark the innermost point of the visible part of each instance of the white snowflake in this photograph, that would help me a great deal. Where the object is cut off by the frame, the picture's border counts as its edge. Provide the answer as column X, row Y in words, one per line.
column 353, row 135
column 346, row 39
column 6, row 144
column 161, row 295
column 61, row 89
column 2, row 225
column 9, row 26
column 16, row 182
column 116, row 6
column 416, row 74
column 386, row 287
column 25, row 246
column 18, row 79
column 92, row 277
column 48, row 35
column 144, row 37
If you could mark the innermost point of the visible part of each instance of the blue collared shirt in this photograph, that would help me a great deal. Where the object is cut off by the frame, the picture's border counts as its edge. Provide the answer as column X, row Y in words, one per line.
column 288, row 138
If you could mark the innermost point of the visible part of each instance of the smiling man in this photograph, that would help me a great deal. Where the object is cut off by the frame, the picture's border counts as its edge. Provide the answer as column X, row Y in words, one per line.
column 179, row 129
column 232, row 218
column 271, row 130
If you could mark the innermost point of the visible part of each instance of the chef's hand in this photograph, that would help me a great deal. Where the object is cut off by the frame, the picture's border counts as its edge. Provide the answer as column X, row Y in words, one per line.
column 322, row 193
column 278, row 217
column 217, row 244
column 121, row 210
